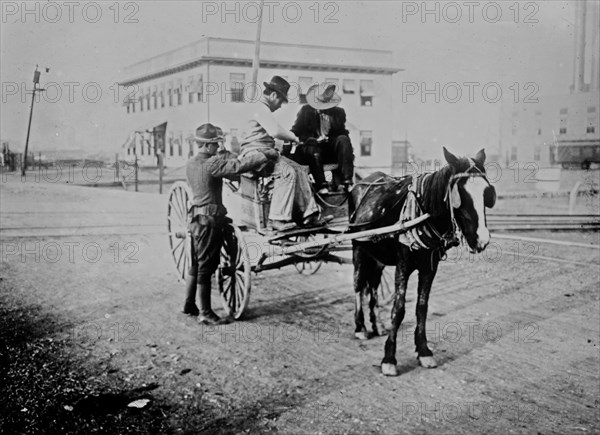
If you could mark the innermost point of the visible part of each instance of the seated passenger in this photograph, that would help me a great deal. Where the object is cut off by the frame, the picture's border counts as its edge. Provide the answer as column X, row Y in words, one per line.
column 292, row 196
column 321, row 125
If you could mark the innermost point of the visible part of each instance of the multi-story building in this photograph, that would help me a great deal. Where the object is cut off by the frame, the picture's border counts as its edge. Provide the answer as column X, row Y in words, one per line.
column 169, row 95
column 531, row 132
column 565, row 128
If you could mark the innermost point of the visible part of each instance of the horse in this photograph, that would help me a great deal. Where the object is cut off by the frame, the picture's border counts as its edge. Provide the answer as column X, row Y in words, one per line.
column 455, row 197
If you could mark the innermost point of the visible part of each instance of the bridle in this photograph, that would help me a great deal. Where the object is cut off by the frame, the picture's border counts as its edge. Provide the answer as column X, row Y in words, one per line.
column 452, row 197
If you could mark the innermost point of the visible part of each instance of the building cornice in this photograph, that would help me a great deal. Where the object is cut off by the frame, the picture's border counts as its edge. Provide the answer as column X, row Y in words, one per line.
column 271, row 64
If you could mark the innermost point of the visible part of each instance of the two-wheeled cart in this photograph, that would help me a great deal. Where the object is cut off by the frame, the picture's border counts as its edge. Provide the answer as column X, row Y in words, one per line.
column 305, row 248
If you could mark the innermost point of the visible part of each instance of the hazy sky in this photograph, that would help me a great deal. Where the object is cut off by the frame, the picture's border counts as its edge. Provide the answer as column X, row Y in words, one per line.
column 89, row 44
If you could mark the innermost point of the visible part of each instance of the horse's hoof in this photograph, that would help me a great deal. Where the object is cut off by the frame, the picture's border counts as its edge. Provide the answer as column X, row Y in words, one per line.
column 428, row 362
column 362, row 335
column 389, row 369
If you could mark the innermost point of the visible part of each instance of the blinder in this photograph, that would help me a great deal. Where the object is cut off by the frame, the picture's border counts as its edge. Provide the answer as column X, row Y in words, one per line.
column 489, row 196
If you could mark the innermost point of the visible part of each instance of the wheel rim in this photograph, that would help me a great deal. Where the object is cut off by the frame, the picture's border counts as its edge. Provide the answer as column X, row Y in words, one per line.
column 177, row 222
column 233, row 275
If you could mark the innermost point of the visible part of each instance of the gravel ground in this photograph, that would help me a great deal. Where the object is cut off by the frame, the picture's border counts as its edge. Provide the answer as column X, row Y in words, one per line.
column 84, row 335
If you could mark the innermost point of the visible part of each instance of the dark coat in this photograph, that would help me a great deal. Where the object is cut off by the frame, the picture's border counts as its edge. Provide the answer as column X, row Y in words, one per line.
column 307, row 123
column 205, row 174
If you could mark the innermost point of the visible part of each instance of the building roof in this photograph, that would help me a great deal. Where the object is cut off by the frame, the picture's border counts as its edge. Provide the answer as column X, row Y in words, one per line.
column 239, row 52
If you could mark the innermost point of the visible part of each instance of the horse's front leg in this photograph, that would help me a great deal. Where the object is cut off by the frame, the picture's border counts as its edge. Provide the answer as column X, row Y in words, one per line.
column 361, row 262
column 425, row 356
column 388, row 364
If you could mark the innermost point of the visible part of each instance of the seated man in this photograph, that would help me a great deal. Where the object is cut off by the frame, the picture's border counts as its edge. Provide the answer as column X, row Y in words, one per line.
column 292, row 195
column 321, row 125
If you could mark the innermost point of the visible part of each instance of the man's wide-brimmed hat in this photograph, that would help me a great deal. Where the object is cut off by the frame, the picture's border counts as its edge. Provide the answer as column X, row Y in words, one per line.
column 322, row 96
column 279, row 85
column 208, row 133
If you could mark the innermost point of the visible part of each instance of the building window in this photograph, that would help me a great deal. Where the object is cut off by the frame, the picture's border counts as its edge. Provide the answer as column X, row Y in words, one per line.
column 148, row 94
column 155, row 97
column 590, row 129
column 141, row 100
column 179, row 92
column 171, row 140
column 161, row 97
column 128, row 151
column 236, row 82
column 366, row 93
column 349, row 86
column 149, row 148
column 304, row 83
column 179, row 148
column 141, row 146
column 170, row 94
column 564, row 111
column 190, row 146
column 128, row 107
column 563, row 130
column 366, row 140
column 133, row 106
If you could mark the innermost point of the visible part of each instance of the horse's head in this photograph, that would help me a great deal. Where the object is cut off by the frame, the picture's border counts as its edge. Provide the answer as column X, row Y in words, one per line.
column 469, row 193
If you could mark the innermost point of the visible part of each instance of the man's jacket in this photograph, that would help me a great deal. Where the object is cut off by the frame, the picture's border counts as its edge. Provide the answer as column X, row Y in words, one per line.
column 307, row 123
column 205, row 175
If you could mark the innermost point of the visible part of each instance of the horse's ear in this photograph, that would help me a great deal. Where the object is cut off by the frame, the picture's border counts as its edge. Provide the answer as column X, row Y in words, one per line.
column 480, row 157
column 450, row 158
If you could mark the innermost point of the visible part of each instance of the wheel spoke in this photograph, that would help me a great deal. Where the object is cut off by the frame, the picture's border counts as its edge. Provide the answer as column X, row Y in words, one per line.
column 177, row 246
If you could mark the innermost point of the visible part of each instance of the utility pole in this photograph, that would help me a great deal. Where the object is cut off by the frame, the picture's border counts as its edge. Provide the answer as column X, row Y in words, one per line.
column 36, row 82
column 256, row 60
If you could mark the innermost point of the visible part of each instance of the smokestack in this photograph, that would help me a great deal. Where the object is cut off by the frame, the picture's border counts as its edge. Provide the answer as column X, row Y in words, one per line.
column 579, row 61
column 595, row 77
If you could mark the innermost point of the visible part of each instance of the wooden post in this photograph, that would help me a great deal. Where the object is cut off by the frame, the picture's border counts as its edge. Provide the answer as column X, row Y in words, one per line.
column 135, row 169
column 160, row 172
column 40, row 161
column 117, row 166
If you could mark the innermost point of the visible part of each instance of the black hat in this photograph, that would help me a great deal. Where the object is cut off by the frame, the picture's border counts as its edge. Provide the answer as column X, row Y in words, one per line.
column 279, row 85
column 208, row 133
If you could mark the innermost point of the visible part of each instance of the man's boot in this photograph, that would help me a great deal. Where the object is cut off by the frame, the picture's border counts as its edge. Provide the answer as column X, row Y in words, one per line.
column 191, row 284
column 207, row 315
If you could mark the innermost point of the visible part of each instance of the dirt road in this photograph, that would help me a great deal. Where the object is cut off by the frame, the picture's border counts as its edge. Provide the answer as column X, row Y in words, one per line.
column 515, row 332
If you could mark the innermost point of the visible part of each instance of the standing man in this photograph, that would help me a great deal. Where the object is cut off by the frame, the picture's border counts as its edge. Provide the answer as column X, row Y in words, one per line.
column 292, row 195
column 321, row 125
column 205, row 172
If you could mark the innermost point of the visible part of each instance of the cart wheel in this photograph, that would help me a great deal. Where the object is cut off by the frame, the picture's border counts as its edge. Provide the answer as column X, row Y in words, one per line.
column 233, row 273
column 177, row 221
column 308, row 268
column 311, row 267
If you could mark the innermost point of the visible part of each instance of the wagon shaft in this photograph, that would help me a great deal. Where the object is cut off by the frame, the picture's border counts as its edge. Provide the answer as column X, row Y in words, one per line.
column 399, row 227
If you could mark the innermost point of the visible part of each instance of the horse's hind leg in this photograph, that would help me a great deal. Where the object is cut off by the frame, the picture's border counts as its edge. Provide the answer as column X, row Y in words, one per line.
column 374, row 281
column 362, row 265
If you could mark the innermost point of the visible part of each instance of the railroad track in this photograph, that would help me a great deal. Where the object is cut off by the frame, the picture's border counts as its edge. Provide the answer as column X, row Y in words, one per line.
column 543, row 222
column 496, row 222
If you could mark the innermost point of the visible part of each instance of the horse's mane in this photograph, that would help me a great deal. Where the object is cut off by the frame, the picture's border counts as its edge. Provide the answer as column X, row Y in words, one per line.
column 434, row 191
